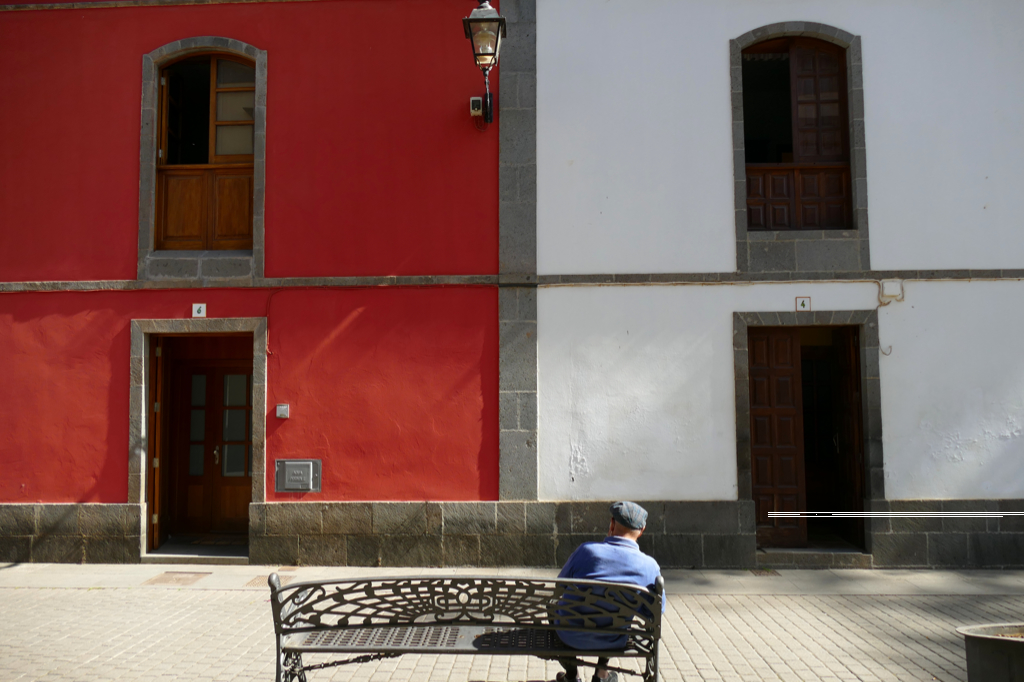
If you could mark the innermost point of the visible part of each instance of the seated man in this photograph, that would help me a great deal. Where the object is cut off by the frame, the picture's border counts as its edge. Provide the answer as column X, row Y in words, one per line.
column 615, row 559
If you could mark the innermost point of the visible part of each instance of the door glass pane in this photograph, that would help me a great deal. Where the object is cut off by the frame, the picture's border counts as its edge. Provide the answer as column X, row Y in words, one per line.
column 235, row 106
column 234, row 140
column 198, row 390
column 197, row 427
column 236, row 424
column 195, row 460
column 235, row 75
column 234, row 460
column 830, row 115
column 236, row 390
column 807, row 115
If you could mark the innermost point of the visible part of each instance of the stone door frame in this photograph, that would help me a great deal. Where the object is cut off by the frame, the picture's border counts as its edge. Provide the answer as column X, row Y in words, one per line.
column 138, row 418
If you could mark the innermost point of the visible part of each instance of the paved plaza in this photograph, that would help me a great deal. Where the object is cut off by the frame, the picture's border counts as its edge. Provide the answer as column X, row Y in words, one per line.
column 212, row 623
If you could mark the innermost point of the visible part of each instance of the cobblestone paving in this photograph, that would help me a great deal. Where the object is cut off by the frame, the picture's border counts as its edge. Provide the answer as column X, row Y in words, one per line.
column 149, row 633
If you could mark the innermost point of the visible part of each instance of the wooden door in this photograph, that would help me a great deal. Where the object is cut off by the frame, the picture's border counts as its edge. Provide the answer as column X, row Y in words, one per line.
column 156, row 531
column 232, row 475
column 213, row 447
column 818, row 91
column 848, row 422
column 776, row 435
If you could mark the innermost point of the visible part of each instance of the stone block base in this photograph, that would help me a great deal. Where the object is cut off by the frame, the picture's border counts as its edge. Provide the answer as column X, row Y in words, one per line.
column 70, row 533
column 712, row 534
column 716, row 534
column 947, row 542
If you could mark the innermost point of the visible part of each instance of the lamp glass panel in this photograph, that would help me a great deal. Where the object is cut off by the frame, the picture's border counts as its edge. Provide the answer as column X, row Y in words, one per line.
column 485, row 42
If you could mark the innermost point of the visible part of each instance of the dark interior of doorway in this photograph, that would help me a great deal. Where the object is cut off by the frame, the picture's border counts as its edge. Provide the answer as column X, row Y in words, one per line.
column 833, row 451
column 174, row 359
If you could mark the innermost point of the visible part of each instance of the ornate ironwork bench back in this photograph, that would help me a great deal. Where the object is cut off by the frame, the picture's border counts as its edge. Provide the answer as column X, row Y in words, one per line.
column 492, row 602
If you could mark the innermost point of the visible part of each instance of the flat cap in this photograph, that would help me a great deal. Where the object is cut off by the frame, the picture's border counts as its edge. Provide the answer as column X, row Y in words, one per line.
column 629, row 514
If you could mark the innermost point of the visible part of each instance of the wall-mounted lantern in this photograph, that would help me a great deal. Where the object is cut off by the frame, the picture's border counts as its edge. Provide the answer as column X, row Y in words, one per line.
column 485, row 28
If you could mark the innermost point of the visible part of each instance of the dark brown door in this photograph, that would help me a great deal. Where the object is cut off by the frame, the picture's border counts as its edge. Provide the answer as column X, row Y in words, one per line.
column 776, row 435
column 212, row 447
column 849, row 434
column 157, row 521
column 818, row 88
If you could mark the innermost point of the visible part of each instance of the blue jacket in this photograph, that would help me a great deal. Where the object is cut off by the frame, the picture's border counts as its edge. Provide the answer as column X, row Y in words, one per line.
column 614, row 559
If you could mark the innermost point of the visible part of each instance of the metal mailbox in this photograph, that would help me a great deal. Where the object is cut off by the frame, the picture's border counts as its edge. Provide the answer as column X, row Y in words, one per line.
column 297, row 476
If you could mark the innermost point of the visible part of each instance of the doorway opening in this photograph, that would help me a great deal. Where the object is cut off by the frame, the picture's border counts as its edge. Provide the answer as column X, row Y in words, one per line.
column 201, row 472
column 806, row 431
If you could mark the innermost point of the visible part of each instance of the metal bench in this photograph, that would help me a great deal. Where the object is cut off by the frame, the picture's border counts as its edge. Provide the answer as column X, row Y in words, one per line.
column 375, row 618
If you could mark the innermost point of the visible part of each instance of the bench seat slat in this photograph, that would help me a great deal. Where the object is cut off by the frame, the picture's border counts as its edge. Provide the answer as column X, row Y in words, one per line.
column 443, row 639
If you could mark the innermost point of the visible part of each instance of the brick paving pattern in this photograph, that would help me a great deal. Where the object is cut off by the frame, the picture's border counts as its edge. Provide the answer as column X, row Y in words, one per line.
column 214, row 635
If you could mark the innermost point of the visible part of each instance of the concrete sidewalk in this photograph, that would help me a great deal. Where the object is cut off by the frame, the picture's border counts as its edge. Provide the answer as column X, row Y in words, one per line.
column 212, row 623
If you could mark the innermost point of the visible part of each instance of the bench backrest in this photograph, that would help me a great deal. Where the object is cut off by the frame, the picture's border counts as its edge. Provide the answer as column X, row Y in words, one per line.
column 581, row 605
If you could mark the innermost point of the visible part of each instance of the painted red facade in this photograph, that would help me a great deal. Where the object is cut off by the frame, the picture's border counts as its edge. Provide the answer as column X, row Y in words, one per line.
column 373, row 167
column 396, row 391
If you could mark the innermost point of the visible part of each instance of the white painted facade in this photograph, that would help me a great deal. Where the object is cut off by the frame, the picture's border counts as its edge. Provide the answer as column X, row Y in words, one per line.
column 953, row 391
column 634, row 131
column 635, row 175
column 637, row 396
column 637, row 389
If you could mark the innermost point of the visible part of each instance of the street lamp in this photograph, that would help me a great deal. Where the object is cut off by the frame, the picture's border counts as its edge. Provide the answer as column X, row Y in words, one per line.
column 485, row 28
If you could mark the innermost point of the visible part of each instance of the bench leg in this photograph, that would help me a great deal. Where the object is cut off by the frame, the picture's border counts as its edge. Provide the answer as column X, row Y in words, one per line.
column 280, row 661
column 291, row 667
column 651, row 672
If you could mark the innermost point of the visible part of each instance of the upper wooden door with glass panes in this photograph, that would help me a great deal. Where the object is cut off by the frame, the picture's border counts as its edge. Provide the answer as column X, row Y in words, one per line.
column 205, row 160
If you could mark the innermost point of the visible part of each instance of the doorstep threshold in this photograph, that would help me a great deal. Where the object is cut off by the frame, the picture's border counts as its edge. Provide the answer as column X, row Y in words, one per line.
column 809, row 550
column 811, row 557
column 195, row 559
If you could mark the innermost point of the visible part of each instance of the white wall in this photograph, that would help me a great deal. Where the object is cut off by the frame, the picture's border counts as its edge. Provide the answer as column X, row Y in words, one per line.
column 635, row 143
column 953, row 391
column 637, row 396
column 637, row 387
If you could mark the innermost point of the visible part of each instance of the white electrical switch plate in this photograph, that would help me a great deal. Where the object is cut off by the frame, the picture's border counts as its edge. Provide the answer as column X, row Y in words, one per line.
column 282, row 411
column 892, row 288
column 803, row 304
column 198, row 310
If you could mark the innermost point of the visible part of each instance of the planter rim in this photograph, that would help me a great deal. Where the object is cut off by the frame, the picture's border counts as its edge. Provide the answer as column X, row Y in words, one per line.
column 984, row 631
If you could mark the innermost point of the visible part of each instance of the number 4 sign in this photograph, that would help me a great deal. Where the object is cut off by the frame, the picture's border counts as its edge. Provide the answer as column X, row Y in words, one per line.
column 803, row 304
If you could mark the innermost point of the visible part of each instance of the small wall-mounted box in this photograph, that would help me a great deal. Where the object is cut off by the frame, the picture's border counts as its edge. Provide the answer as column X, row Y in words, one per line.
column 282, row 411
column 297, row 476
column 892, row 289
column 476, row 106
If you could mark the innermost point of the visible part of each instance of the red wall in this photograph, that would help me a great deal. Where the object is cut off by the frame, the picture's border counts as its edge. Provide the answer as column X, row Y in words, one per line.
column 374, row 166
column 395, row 389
